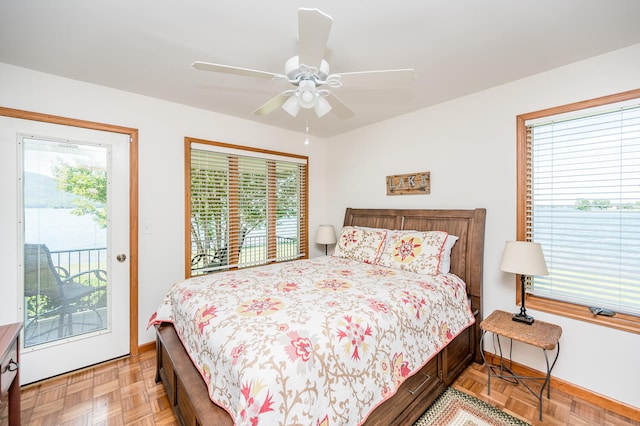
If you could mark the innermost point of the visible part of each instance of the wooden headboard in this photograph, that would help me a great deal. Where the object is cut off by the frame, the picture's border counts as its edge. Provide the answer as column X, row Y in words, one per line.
column 468, row 253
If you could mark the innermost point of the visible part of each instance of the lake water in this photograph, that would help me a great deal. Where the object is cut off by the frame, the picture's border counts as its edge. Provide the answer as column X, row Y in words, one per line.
column 59, row 229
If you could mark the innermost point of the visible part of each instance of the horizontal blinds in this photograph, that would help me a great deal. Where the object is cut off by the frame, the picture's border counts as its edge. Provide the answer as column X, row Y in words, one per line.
column 239, row 152
column 583, row 206
column 246, row 210
column 289, row 180
column 210, row 221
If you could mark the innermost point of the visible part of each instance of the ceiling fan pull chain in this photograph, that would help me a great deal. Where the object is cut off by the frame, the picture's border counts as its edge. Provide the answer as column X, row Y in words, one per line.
column 306, row 141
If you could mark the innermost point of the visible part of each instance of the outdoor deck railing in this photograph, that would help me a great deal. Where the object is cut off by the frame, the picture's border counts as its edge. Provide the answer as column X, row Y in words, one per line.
column 45, row 318
column 252, row 253
column 75, row 261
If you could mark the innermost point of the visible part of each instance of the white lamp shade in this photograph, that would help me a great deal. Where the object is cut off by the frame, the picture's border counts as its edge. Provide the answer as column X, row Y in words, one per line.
column 326, row 235
column 292, row 106
column 523, row 257
column 307, row 94
column 322, row 107
column 307, row 98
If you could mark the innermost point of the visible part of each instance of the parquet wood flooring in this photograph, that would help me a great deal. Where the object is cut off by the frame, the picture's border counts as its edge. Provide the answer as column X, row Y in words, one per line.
column 562, row 409
column 124, row 392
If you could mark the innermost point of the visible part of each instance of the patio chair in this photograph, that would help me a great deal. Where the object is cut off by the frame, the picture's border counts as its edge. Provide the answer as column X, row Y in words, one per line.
column 65, row 293
column 208, row 261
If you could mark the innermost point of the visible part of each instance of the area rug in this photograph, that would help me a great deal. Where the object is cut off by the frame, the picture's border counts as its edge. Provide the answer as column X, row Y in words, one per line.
column 456, row 408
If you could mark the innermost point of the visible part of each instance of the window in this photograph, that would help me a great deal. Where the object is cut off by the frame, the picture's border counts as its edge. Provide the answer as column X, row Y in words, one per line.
column 246, row 206
column 579, row 196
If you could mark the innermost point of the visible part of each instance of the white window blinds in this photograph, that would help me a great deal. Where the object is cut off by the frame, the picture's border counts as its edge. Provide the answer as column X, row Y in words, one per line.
column 247, row 207
column 583, row 206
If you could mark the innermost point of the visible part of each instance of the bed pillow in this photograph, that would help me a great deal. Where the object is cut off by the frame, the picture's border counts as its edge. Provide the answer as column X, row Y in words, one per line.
column 361, row 244
column 445, row 259
column 414, row 251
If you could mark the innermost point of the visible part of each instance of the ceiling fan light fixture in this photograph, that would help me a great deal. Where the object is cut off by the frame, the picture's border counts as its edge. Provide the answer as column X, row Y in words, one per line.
column 292, row 106
column 307, row 99
column 322, row 107
column 309, row 73
column 307, row 94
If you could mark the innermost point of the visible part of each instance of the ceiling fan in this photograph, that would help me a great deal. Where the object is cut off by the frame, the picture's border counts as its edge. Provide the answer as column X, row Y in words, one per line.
column 309, row 73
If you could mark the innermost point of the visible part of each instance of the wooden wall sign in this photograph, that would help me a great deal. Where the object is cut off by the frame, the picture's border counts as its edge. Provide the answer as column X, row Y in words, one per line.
column 412, row 183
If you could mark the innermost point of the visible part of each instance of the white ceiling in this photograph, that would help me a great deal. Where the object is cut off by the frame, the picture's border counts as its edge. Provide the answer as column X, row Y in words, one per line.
column 457, row 47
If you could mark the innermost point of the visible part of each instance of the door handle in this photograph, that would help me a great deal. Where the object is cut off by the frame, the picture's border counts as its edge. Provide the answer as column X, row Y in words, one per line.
column 121, row 257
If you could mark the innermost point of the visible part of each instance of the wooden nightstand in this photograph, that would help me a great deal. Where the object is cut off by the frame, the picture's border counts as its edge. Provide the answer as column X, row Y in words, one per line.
column 540, row 334
column 9, row 377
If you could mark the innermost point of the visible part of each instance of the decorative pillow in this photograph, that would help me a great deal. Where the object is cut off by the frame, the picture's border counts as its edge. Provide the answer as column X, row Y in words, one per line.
column 445, row 259
column 414, row 251
column 361, row 244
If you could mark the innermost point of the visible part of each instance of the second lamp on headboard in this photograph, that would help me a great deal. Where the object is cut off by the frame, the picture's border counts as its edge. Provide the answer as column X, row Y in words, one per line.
column 326, row 235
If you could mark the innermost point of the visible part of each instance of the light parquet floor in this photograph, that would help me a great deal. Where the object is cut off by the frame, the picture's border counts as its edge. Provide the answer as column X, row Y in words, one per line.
column 515, row 399
column 119, row 392
column 124, row 392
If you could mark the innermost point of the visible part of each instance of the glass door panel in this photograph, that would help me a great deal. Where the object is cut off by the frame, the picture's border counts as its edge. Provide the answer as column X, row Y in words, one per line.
column 65, row 239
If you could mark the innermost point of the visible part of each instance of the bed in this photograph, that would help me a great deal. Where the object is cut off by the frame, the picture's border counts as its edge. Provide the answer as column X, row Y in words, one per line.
column 188, row 387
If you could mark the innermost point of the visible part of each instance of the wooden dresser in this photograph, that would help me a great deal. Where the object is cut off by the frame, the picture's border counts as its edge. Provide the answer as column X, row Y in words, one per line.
column 9, row 374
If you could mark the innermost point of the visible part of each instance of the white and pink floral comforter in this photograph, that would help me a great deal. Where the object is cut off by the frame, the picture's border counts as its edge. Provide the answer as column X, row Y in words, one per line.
column 312, row 342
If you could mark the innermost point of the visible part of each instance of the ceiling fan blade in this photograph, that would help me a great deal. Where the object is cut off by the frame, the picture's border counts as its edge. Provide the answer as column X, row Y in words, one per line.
column 227, row 69
column 388, row 78
column 313, row 34
column 272, row 104
column 339, row 107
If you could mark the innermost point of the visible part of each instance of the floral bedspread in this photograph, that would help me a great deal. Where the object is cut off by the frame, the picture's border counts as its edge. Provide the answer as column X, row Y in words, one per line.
column 312, row 342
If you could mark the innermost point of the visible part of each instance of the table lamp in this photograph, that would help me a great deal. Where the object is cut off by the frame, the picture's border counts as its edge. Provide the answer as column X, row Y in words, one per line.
column 326, row 235
column 524, row 258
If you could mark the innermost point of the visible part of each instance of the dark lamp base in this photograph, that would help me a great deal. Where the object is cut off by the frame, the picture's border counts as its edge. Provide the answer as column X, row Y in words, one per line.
column 523, row 318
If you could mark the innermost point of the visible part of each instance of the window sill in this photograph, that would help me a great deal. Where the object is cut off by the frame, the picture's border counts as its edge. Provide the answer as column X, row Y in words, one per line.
column 624, row 322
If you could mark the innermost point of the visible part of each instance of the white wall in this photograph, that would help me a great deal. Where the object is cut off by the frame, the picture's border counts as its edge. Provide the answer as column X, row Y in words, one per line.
column 469, row 146
column 162, row 128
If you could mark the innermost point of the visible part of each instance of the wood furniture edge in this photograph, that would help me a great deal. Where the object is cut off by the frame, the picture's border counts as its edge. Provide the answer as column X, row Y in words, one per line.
column 587, row 395
column 10, row 342
column 541, row 334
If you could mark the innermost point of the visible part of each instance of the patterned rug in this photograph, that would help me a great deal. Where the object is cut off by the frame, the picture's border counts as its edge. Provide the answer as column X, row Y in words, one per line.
column 456, row 408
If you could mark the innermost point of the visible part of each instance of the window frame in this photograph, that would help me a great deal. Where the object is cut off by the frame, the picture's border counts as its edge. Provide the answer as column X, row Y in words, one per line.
column 625, row 322
column 257, row 153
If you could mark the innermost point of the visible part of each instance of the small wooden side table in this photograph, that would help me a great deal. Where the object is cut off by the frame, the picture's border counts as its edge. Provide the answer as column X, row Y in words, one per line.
column 540, row 334
column 9, row 374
